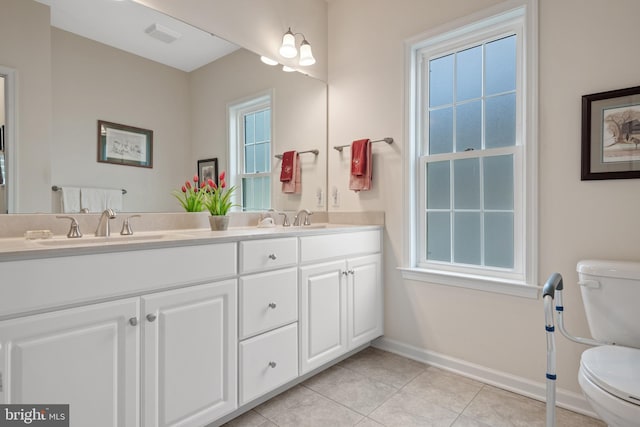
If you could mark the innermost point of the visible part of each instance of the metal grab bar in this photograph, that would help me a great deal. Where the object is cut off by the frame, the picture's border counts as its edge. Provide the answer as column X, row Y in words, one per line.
column 388, row 140
column 552, row 290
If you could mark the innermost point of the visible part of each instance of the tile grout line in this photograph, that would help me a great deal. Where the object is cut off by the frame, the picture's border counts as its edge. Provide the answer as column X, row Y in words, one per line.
column 470, row 402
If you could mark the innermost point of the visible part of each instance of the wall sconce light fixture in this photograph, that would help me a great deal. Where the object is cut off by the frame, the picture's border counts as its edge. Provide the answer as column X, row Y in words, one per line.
column 289, row 50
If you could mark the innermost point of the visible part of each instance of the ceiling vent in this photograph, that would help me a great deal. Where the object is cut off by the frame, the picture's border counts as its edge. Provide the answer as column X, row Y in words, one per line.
column 162, row 33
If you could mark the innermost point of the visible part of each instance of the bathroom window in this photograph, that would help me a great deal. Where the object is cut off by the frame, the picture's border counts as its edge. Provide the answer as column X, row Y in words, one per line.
column 251, row 150
column 472, row 160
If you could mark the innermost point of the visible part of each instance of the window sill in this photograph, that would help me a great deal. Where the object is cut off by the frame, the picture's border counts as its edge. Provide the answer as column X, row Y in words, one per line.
column 479, row 283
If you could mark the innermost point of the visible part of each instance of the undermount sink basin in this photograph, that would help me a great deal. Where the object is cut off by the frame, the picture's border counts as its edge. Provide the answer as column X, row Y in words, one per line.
column 93, row 240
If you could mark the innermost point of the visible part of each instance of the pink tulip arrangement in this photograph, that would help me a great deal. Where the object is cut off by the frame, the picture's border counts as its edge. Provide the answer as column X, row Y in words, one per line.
column 207, row 195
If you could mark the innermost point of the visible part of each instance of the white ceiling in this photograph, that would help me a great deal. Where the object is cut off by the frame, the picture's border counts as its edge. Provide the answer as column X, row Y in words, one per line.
column 122, row 24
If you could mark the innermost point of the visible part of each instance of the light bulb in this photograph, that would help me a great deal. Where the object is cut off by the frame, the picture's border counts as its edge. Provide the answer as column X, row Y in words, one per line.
column 306, row 57
column 288, row 48
column 268, row 61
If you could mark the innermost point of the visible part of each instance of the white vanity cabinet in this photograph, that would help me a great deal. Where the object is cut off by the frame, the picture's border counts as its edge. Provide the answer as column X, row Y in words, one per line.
column 340, row 298
column 189, row 355
column 164, row 358
column 86, row 357
column 268, row 316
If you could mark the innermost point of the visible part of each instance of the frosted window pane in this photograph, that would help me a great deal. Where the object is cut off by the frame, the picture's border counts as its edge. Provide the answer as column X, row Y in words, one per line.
column 441, row 131
column 249, row 129
column 267, row 124
column 260, row 126
column 439, row 236
column 466, row 183
column 265, row 193
column 500, row 66
column 498, row 182
column 438, row 187
column 466, row 238
column 262, row 158
column 498, row 239
column 469, row 74
column 247, row 193
column 249, row 157
column 469, row 126
column 441, row 81
column 500, row 121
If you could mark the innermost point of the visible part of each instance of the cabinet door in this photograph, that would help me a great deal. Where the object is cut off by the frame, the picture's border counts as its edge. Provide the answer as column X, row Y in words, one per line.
column 190, row 355
column 86, row 357
column 323, row 311
column 365, row 300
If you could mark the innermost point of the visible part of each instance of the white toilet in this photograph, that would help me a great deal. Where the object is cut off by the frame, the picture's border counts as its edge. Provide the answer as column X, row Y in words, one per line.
column 610, row 374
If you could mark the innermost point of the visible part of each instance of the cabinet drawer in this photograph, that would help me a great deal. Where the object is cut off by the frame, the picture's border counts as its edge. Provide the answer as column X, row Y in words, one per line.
column 314, row 248
column 267, row 301
column 268, row 361
column 268, row 254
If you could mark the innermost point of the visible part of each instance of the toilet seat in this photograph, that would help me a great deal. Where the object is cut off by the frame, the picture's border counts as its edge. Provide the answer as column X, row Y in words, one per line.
column 615, row 369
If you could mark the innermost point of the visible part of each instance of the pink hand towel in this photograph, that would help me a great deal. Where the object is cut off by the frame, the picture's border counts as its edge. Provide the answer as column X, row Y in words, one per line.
column 361, row 182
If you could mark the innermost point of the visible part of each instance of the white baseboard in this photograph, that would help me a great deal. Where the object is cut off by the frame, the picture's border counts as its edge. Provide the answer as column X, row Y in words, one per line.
column 535, row 390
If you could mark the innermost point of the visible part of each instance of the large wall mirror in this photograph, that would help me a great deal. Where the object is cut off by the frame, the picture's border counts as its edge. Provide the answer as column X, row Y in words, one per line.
column 186, row 107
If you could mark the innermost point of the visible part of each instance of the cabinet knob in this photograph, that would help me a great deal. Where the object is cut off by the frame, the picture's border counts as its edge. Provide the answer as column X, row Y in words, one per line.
column 273, row 256
column 345, row 273
column 272, row 364
column 133, row 321
column 351, row 272
column 151, row 317
column 272, row 305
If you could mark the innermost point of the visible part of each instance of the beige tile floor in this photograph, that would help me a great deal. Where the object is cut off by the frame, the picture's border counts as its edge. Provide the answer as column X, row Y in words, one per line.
column 376, row 388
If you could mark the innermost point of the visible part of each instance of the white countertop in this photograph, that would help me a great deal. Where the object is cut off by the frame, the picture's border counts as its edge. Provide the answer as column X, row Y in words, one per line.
column 16, row 249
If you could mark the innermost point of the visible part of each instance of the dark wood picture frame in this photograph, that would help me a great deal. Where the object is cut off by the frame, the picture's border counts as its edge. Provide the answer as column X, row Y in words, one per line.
column 124, row 145
column 208, row 168
column 611, row 134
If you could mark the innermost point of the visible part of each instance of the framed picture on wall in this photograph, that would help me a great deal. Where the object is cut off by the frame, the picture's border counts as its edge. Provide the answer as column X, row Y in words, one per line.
column 208, row 169
column 611, row 134
column 124, row 145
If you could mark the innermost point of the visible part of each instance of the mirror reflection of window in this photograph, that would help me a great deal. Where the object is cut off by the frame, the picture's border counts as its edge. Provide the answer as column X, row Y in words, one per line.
column 252, row 146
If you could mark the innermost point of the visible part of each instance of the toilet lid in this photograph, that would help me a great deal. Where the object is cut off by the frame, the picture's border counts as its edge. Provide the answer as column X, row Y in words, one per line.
column 615, row 369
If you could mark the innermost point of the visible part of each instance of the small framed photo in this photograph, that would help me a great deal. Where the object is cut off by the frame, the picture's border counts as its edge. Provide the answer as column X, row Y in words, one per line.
column 611, row 134
column 124, row 145
column 208, row 169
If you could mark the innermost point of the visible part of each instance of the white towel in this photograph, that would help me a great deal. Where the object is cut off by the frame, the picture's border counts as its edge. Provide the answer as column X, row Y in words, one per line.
column 114, row 199
column 99, row 199
column 70, row 199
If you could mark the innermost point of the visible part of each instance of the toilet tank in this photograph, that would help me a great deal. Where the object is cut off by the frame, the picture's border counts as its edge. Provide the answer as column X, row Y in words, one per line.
column 611, row 295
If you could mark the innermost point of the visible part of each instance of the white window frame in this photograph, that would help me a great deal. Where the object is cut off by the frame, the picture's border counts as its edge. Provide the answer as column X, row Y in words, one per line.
column 515, row 16
column 235, row 112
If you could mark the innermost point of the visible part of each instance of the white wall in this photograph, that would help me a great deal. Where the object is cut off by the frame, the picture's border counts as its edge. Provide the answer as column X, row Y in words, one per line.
column 584, row 48
column 92, row 82
column 299, row 118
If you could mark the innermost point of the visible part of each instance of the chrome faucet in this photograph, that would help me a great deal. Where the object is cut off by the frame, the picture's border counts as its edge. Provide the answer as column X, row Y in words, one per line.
column 297, row 219
column 103, row 229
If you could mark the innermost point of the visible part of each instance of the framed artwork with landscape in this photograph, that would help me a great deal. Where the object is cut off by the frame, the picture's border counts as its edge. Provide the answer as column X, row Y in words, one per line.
column 611, row 134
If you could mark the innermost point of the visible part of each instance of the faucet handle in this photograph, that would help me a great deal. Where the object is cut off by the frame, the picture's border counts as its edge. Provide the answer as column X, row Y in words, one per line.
column 307, row 221
column 126, row 226
column 74, row 230
column 285, row 221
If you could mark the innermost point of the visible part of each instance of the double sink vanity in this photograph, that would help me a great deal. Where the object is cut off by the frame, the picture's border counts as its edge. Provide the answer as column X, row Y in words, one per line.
column 182, row 327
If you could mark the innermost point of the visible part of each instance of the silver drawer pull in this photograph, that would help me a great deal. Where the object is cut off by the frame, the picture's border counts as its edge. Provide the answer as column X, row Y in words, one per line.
column 273, row 256
column 151, row 317
column 272, row 364
column 133, row 321
column 272, row 305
